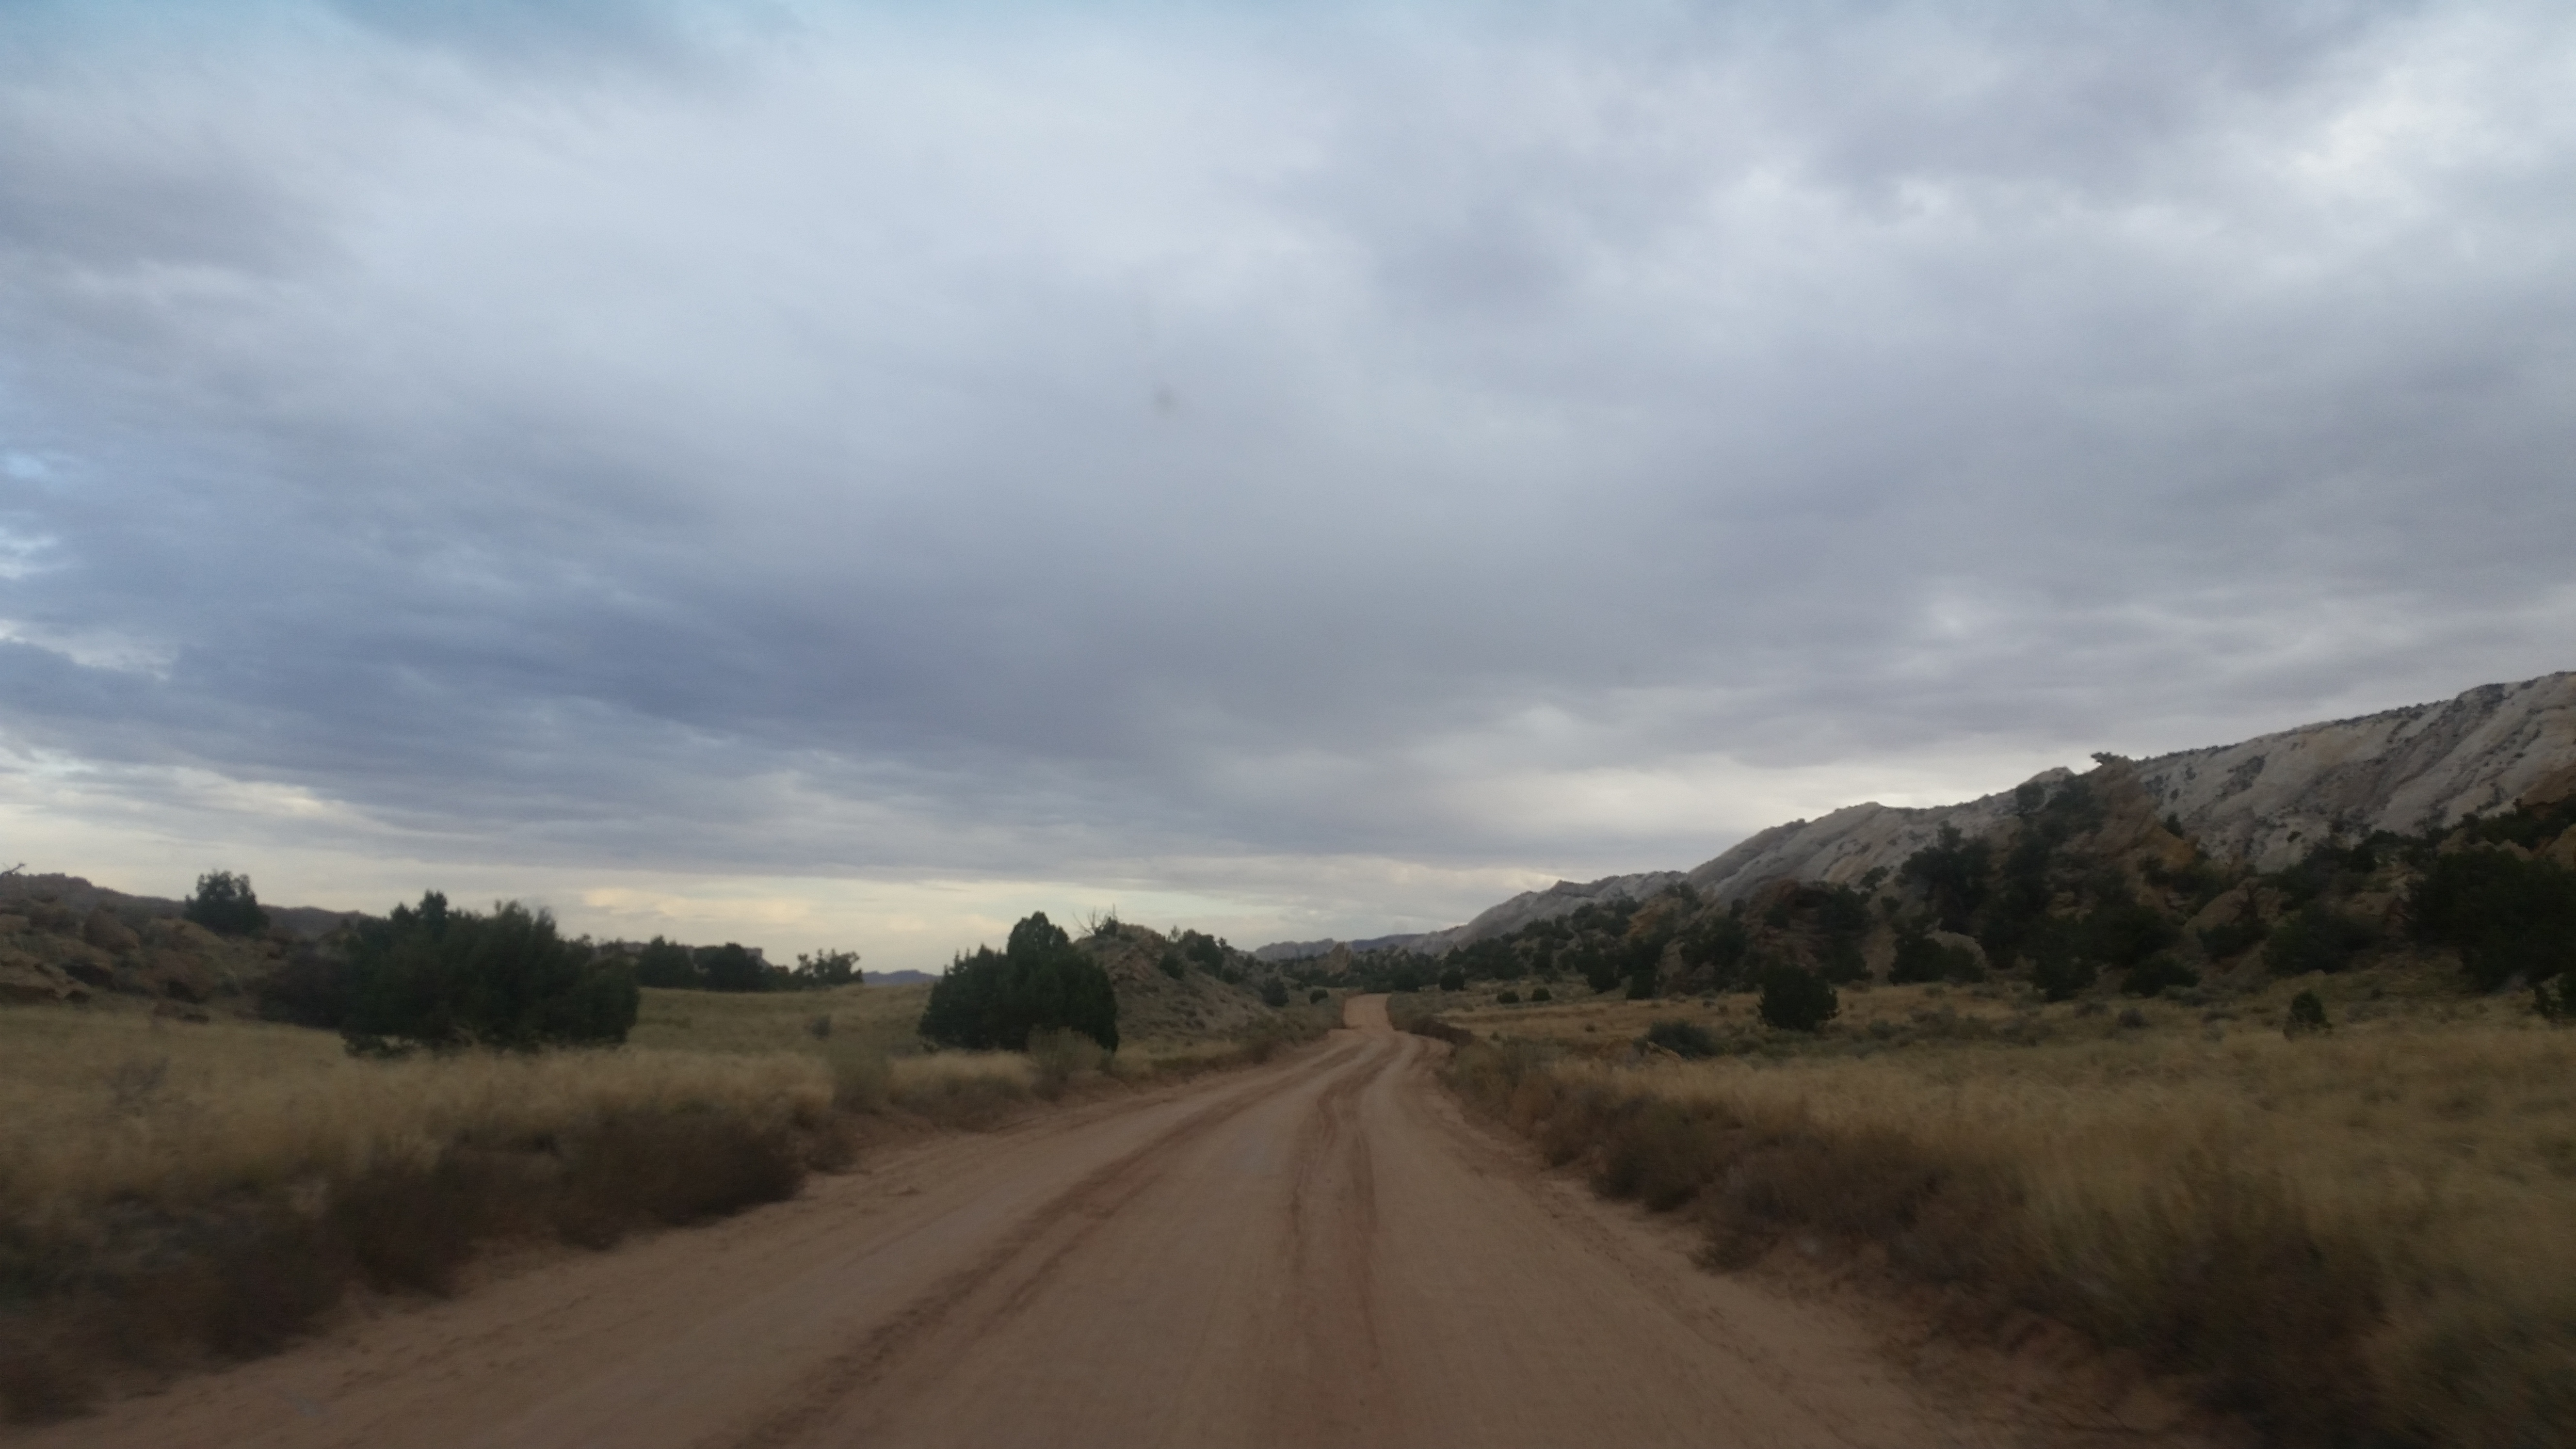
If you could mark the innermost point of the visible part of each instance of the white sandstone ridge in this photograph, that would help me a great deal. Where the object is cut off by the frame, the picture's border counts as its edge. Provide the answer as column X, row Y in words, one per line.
column 2263, row 801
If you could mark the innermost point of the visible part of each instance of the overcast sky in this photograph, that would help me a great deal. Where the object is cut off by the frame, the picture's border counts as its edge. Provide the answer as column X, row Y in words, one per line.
column 826, row 475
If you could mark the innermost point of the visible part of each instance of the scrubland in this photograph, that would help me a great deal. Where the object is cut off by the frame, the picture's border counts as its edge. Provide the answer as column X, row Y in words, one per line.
column 178, row 1193
column 2350, row 1236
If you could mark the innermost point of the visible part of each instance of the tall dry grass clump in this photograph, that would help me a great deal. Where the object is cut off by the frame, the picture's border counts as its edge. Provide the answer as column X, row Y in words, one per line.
column 173, row 1194
column 2346, row 1239
column 973, row 1090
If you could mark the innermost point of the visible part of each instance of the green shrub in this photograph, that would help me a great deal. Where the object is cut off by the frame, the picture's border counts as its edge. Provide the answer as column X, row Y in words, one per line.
column 441, row 978
column 2232, row 938
column 667, row 964
column 2317, row 937
column 992, row 1000
column 731, row 967
column 1507, row 998
column 2307, row 1016
column 1795, row 1000
column 1952, row 873
column 1274, row 992
column 226, row 905
column 1919, row 958
column 2555, row 998
column 1540, row 993
column 2507, row 916
column 2060, row 973
column 1718, row 944
column 2153, row 975
column 826, row 969
column 1174, row 965
column 1842, row 962
column 2123, row 931
column 1317, row 994
column 1453, row 979
column 1686, row 1039
column 309, row 988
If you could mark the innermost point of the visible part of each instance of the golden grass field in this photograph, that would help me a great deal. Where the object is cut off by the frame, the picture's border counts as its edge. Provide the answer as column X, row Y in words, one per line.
column 2403, row 1187
column 101, row 1106
column 172, row 1191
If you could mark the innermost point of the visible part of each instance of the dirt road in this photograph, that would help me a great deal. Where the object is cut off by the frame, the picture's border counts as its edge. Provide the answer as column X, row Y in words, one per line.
column 1317, row 1252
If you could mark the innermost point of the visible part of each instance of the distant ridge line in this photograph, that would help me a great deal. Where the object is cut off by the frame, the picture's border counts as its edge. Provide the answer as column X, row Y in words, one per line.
column 2259, row 800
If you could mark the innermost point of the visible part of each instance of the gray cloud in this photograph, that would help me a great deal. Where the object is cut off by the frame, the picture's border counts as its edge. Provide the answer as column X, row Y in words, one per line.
column 1045, row 443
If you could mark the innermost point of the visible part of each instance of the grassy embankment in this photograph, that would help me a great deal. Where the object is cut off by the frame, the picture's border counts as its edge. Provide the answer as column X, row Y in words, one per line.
column 2355, row 1237
column 176, row 1194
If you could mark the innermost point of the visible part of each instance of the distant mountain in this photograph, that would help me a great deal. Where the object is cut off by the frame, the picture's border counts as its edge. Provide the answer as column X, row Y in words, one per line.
column 897, row 978
column 2260, row 802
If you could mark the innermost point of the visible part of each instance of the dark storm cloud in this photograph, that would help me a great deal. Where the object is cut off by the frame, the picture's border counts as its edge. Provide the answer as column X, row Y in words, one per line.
column 769, row 439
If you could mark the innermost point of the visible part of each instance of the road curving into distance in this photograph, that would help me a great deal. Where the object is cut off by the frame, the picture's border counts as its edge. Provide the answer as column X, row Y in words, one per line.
column 1320, row 1251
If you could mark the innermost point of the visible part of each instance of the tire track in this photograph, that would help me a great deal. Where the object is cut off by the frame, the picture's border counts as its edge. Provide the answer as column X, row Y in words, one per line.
column 1090, row 1202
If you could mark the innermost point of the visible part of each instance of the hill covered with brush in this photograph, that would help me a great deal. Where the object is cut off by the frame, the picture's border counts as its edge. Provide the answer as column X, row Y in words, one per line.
column 2437, row 833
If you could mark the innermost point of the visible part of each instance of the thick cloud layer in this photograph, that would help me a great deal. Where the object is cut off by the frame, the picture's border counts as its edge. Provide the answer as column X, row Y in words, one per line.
column 1314, row 471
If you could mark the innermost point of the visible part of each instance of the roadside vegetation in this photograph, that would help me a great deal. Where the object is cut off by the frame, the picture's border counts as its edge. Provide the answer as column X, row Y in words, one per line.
column 374, row 1111
column 2301, row 1137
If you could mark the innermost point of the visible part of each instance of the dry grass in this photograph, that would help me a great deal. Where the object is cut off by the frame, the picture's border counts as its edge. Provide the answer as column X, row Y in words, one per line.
column 101, row 1108
column 173, row 1193
column 2344, row 1237
column 884, row 1018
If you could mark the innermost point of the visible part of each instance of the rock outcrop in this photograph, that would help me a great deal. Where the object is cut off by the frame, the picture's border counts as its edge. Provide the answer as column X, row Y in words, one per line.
column 1155, row 1005
column 63, row 940
column 2262, row 802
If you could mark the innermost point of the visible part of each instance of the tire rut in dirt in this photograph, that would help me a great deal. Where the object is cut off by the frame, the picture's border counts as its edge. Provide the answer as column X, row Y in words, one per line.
column 1055, row 1229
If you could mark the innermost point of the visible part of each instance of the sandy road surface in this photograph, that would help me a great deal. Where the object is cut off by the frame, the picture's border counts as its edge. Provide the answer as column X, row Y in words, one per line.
column 1318, row 1252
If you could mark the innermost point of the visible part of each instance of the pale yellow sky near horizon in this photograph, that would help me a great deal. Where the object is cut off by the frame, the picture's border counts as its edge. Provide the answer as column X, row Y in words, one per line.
column 301, row 851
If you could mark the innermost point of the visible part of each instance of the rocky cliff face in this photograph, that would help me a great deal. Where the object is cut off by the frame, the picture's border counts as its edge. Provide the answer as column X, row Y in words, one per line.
column 2402, row 769
column 2259, row 803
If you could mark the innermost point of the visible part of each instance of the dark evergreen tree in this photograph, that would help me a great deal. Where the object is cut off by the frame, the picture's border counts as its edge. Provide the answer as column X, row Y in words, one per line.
column 2158, row 973
column 2506, row 915
column 226, row 905
column 731, row 967
column 2316, row 937
column 1038, row 981
column 442, row 978
column 1952, row 872
column 1796, row 1000
column 667, row 964
column 826, row 969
